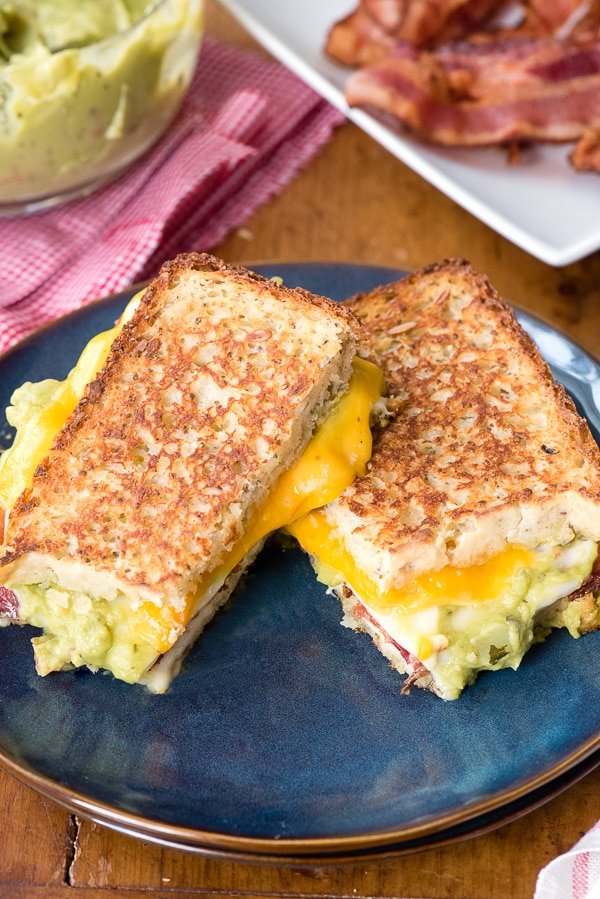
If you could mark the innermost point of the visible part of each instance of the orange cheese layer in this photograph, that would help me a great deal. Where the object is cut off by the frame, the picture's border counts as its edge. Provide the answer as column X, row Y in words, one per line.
column 449, row 586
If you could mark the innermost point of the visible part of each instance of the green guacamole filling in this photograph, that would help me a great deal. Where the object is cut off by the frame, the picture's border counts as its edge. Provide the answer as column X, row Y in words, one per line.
column 80, row 629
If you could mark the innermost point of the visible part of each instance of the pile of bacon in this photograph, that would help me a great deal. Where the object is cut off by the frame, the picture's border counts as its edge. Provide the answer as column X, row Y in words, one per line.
column 473, row 73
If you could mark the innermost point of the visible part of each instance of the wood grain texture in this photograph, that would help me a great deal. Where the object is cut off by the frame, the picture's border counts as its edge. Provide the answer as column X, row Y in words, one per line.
column 353, row 203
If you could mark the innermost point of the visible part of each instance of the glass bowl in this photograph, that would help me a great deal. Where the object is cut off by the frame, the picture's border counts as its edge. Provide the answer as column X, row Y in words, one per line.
column 86, row 87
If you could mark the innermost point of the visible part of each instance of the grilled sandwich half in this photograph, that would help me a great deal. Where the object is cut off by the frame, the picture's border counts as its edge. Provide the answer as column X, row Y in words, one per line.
column 214, row 419
column 475, row 530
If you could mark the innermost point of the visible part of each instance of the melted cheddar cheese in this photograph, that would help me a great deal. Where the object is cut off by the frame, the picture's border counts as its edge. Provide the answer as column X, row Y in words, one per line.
column 459, row 586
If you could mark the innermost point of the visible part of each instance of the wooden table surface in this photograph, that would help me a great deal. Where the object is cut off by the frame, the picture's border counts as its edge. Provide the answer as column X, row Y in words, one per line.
column 353, row 203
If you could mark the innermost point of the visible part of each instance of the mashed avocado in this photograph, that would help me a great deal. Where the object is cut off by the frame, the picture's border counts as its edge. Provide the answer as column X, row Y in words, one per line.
column 86, row 86
column 28, row 399
column 84, row 630
column 497, row 634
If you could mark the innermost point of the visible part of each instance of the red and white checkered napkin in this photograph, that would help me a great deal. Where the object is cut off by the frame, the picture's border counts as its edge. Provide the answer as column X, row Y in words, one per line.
column 574, row 875
column 246, row 127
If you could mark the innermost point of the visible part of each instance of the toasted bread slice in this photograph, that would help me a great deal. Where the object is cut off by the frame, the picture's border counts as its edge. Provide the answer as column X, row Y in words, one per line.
column 481, row 506
column 149, row 500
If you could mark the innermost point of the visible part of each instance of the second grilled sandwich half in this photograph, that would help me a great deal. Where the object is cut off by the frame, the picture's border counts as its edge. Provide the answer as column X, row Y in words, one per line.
column 227, row 406
column 475, row 530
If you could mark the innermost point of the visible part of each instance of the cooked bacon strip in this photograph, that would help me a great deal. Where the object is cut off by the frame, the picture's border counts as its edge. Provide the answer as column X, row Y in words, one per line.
column 359, row 611
column 477, row 95
column 550, row 17
column 369, row 33
column 590, row 585
column 9, row 604
column 584, row 25
column 358, row 40
column 417, row 673
column 557, row 17
column 503, row 90
column 389, row 14
column 427, row 22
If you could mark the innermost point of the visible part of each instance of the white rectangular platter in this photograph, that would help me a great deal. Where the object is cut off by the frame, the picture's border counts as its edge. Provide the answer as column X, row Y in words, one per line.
column 540, row 204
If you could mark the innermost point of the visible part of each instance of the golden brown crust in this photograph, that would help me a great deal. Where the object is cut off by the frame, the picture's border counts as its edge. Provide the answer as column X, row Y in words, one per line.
column 211, row 388
column 487, row 449
column 205, row 262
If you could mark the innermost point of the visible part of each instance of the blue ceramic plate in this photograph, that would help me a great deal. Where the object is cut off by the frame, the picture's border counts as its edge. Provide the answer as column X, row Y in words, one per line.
column 286, row 735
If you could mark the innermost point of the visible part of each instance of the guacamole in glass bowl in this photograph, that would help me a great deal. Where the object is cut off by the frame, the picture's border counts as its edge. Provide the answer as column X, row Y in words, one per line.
column 86, row 87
